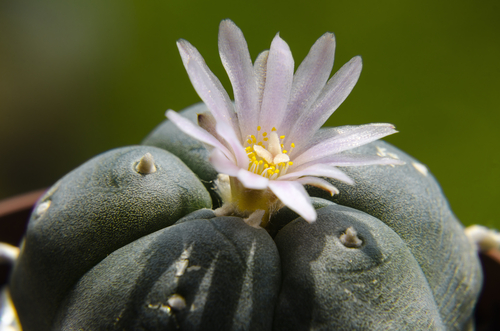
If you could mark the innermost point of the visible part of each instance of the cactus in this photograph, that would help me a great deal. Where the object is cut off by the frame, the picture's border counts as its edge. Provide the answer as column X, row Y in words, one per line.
column 128, row 241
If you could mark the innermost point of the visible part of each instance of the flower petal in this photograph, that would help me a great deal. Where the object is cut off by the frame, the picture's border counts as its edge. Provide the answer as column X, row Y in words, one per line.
column 222, row 164
column 207, row 122
column 319, row 170
column 279, row 77
column 260, row 68
column 310, row 78
column 318, row 182
column 294, row 196
column 344, row 138
column 207, row 85
column 347, row 160
column 330, row 98
column 251, row 180
column 196, row 132
column 227, row 133
column 235, row 57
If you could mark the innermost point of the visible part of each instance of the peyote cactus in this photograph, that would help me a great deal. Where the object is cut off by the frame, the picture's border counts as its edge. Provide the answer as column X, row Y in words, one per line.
column 160, row 237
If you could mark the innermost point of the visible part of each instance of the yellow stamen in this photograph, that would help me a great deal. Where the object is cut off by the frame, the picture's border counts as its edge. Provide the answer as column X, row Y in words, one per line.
column 266, row 154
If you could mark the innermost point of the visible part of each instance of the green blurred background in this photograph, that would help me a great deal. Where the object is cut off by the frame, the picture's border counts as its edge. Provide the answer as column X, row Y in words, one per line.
column 80, row 77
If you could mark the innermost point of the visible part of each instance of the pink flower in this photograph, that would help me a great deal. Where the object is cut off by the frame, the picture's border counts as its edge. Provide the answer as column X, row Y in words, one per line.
column 267, row 141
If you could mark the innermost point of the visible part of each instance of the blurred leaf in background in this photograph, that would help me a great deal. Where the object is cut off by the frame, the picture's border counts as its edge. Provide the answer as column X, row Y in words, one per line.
column 78, row 78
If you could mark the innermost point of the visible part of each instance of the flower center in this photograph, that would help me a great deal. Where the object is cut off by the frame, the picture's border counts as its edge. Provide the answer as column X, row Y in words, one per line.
column 265, row 154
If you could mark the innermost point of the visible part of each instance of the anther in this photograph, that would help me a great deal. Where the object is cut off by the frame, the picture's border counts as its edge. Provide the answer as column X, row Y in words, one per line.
column 273, row 129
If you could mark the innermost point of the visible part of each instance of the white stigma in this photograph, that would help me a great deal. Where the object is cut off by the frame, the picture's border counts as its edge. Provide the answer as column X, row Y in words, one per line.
column 263, row 153
column 281, row 158
column 274, row 146
column 266, row 155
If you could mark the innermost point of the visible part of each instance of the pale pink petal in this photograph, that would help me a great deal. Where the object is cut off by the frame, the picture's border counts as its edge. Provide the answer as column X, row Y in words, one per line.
column 347, row 160
column 251, row 180
column 222, row 164
column 279, row 77
column 207, row 122
column 318, row 137
column 260, row 68
column 226, row 132
column 207, row 85
column 330, row 98
column 310, row 78
column 294, row 196
column 235, row 57
column 318, row 182
column 318, row 170
column 345, row 138
column 196, row 132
